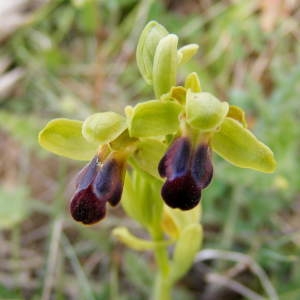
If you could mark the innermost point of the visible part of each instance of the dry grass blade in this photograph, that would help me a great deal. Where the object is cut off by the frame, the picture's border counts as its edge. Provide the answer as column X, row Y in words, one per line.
column 208, row 254
column 52, row 259
column 233, row 285
column 8, row 81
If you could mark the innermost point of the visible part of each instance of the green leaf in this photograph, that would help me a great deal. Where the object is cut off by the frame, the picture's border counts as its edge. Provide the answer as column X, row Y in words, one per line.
column 63, row 137
column 186, row 52
column 176, row 220
column 204, row 111
column 148, row 41
column 154, row 118
column 240, row 147
column 13, row 206
column 165, row 65
column 192, row 82
column 24, row 128
column 148, row 155
column 134, row 242
column 186, row 248
column 104, row 127
column 137, row 273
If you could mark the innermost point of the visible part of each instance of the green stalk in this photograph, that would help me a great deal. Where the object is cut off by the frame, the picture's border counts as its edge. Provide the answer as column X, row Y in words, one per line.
column 162, row 286
column 162, row 289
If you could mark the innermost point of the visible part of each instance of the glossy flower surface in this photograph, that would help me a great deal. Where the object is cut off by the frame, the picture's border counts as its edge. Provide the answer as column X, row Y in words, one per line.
column 188, row 170
column 97, row 184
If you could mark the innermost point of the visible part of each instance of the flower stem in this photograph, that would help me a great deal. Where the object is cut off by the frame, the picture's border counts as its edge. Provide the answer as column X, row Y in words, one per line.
column 162, row 289
column 162, row 286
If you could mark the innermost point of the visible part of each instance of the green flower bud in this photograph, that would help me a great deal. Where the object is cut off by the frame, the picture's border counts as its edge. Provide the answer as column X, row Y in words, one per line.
column 165, row 65
column 149, row 39
column 185, row 53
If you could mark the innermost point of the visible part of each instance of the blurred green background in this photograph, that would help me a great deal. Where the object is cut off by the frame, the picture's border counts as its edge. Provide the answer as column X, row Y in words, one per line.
column 62, row 58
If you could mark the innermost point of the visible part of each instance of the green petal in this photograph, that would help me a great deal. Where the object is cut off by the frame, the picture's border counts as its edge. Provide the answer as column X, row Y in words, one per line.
column 149, row 39
column 237, row 114
column 240, row 147
column 153, row 118
column 186, row 248
column 185, row 53
column 63, row 137
column 104, row 127
column 204, row 111
column 178, row 93
column 165, row 65
column 148, row 154
column 192, row 82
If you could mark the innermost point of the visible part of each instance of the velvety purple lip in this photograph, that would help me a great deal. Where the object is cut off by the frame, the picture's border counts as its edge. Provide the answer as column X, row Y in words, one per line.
column 187, row 170
column 96, row 185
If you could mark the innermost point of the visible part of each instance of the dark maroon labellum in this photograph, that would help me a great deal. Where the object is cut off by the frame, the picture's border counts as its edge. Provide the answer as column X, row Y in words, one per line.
column 86, row 208
column 188, row 171
column 181, row 192
column 96, row 185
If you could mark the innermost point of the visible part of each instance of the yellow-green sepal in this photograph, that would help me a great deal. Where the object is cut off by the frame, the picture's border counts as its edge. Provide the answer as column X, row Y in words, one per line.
column 204, row 111
column 148, row 154
column 104, row 127
column 63, row 137
column 165, row 65
column 153, row 118
column 240, row 147
column 140, row 199
column 186, row 52
column 185, row 250
column 192, row 82
column 148, row 41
